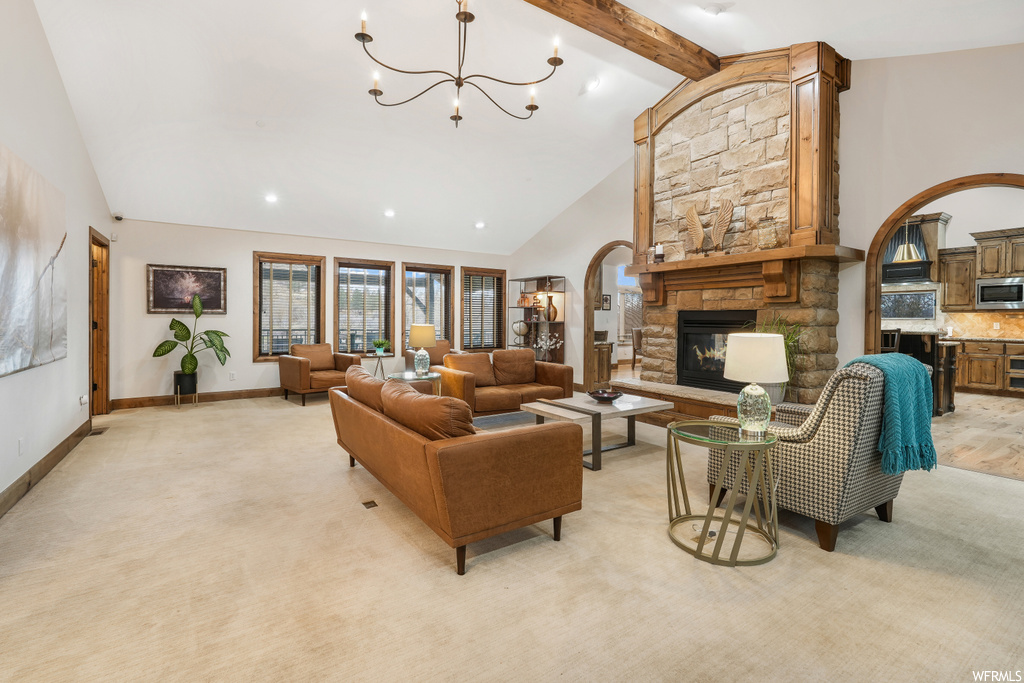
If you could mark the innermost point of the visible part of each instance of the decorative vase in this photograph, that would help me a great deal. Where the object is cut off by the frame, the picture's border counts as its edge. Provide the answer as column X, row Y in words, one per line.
column 550, row 312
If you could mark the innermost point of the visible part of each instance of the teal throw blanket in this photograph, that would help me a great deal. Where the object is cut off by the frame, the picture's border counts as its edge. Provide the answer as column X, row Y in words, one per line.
column 906, row 440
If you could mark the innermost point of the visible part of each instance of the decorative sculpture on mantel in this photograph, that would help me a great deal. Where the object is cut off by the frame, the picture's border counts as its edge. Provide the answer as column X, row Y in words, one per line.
column 716, row 234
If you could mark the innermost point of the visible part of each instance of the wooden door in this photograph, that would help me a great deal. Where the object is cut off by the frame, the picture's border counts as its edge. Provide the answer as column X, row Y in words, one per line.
column 1015, row 257
column 991, row 255
column 99, row 317
column 957, row 281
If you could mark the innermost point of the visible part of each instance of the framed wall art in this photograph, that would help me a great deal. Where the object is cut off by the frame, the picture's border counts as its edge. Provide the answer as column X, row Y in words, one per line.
column 606, row 302
column 171, row 288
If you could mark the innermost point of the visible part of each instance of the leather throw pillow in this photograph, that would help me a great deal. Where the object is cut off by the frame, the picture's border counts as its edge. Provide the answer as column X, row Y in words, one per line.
column 477, row 363
column 364, row 387
column 515, row 366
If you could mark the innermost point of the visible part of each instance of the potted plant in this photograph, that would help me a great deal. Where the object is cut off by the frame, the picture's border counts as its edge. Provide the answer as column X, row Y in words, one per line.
column 381, row 345
column 790, row 338
column 185, row 380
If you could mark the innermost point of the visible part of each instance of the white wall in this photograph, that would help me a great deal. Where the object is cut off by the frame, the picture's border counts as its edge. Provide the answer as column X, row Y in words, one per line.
column 134, row 333
column 909, row 123
column 566, row 245
column 978, row 210
column 40, row 405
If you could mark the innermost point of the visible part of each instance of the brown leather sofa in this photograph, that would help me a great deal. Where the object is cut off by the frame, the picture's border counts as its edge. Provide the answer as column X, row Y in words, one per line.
column 436, row 354
column 464, row 485
column 513, row 378
column 312, row 368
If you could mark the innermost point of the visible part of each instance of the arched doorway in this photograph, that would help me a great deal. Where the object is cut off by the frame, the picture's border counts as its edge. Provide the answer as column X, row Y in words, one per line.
column 873, row 276
column 590, row 293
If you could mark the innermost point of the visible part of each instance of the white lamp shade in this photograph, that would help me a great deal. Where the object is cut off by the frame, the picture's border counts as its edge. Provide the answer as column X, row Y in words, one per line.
column 756, row 357
column 422, row 337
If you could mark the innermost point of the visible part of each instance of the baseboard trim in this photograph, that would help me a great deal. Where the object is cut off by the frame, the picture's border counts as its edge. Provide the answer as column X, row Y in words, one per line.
column 208, row 397
column 16, row 491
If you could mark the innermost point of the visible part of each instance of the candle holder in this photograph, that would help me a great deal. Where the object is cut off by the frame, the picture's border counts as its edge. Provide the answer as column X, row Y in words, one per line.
column 659, row 258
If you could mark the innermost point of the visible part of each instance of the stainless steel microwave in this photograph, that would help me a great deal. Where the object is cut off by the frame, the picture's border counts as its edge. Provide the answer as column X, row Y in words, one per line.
column 999, row 293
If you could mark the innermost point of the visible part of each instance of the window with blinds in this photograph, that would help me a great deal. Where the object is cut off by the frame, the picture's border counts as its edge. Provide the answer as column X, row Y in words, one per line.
column 289, row 291
column 483, row 309
column 364, row 304
column 428, row 299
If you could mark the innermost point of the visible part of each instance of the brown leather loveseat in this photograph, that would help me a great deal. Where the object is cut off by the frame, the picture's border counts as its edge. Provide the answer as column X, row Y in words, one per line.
column 464, row 485
column 515, row 377
column 312, row 368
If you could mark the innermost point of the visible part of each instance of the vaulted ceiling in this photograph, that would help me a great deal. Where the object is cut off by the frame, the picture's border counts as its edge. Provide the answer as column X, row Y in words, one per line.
column 193, row 112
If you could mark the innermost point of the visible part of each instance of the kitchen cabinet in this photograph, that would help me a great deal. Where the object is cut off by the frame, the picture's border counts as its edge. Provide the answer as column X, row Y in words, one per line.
column 956, row 277
column 603, row 354
column 983, row 365
column 1015, row 257
column 991, row 258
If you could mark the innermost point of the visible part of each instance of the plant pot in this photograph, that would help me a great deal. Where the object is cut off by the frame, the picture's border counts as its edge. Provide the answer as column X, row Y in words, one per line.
column 379, row 352
column 185, row 385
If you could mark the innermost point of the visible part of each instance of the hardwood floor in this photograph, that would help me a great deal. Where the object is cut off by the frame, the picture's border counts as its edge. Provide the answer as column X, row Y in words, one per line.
column 985, row 434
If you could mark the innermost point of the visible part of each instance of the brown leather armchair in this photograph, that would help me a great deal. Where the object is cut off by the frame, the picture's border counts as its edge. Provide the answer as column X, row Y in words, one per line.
column 312, row 368
column 437, row 354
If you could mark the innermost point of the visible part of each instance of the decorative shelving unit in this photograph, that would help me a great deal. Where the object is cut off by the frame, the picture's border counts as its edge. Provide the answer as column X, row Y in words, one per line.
column 536, row 313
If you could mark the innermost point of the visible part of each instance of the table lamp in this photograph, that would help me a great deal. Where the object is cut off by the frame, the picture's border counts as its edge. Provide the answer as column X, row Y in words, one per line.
column 424, row 337
column 755, row 357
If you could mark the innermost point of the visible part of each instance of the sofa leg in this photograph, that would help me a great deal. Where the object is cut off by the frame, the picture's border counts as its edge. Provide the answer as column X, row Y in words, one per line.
column 711, row 495
column 558, row 527
column 460, row 560
column 303, row 400
column 827, row 534
column 884, row 511
column 351, row 461
column 286, row 394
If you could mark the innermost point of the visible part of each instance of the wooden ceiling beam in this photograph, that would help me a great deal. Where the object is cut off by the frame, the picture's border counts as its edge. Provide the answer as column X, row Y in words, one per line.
column 615, row 22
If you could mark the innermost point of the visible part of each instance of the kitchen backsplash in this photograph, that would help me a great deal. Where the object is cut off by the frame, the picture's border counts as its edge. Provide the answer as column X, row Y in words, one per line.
column 966, row 324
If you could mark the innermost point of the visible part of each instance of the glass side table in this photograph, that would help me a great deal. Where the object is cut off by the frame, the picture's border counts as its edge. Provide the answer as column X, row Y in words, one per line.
column 705, row 536
column 433, row 377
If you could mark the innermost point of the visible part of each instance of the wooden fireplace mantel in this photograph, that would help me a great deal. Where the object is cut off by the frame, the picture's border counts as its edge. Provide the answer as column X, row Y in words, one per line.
column 777, row 270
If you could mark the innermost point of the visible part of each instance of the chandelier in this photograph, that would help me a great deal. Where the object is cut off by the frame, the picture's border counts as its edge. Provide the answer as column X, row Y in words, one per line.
column 464, row 17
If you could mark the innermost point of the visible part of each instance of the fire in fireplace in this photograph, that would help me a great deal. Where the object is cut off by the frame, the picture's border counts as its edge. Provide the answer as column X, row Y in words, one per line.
column 701, row 347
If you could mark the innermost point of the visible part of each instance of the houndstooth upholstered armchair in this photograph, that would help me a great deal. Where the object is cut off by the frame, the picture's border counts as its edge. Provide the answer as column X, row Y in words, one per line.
column 827, row 466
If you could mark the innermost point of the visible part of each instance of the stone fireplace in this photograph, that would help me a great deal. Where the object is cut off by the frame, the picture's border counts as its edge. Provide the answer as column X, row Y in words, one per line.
column 761, row 137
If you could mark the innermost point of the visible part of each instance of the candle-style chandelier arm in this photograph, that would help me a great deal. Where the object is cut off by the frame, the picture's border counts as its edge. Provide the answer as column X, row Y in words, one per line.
column 521, row 118
column 403, row 71
column 498, row 80
column 423, row 92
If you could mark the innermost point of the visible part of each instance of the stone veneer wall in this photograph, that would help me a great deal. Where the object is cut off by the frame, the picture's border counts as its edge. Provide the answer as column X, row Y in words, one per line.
column 735, row 144
column 732, row 144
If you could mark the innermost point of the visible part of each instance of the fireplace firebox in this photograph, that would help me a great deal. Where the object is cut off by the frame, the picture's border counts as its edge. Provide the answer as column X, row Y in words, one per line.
column 700, row 347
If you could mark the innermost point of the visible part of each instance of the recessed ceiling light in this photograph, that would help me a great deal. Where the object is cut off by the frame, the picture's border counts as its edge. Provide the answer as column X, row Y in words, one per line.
column 261, row 123
column 480, row 225
column 271, row 198
column 390, row 213
column 592, row 84
column 714, row 9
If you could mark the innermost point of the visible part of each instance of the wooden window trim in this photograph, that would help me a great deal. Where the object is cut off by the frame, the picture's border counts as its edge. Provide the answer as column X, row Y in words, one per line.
column 503, row 312
column 259, row 257
column 359, row 263
column 432, row 268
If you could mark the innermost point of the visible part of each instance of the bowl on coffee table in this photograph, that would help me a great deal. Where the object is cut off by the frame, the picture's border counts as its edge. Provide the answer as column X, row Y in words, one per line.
column 606, row 396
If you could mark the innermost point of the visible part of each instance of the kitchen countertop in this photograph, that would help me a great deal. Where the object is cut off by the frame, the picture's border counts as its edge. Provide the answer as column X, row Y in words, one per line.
column 954, row 339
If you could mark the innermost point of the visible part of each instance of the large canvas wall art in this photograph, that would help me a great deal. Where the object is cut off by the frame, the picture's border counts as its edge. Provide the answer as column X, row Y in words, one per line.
column 33, row 268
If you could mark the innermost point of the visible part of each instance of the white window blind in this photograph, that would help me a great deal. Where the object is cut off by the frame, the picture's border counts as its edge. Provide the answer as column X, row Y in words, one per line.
column 428, row 301
column 483, row 309
column 289, row 306
column 364, row 306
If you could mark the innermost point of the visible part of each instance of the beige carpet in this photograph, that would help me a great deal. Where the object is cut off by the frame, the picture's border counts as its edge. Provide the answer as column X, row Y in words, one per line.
column 228, row 541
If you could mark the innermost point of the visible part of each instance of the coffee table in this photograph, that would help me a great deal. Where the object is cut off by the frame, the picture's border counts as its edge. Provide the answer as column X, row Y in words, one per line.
column 582, row 409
